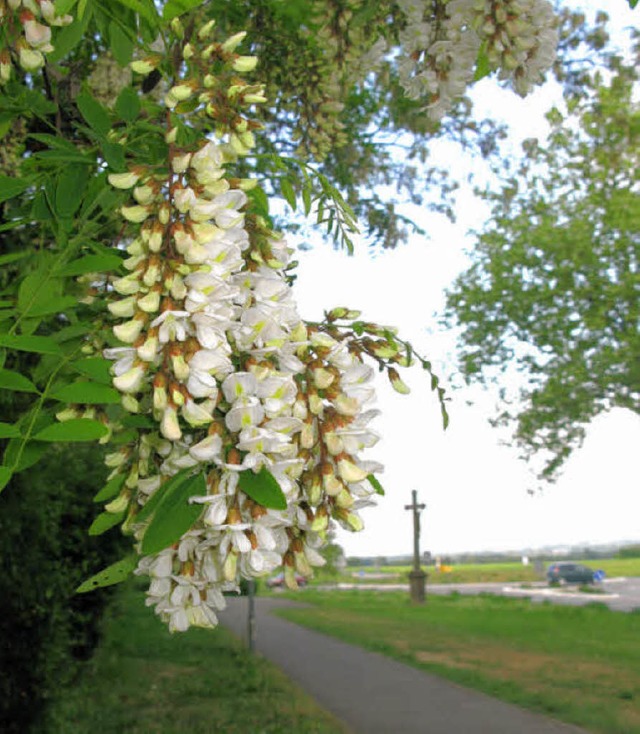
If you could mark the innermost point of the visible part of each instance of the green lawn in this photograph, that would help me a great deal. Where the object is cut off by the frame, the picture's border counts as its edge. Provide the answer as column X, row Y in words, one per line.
column 465, row 573
column 145, row 681
column 578, row 664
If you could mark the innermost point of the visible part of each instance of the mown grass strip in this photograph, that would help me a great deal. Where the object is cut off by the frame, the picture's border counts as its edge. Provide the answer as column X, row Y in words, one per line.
column 144, row 680
column 577, row 664
column 467, row 573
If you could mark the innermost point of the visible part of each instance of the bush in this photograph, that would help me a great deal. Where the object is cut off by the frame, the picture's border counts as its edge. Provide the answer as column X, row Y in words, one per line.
column 46, row 629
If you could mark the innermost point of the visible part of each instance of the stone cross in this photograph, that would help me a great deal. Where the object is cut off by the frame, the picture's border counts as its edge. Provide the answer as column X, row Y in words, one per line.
column 417, row 577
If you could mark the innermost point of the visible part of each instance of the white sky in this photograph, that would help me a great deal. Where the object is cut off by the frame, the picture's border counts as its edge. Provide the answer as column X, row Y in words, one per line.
column 474, row 487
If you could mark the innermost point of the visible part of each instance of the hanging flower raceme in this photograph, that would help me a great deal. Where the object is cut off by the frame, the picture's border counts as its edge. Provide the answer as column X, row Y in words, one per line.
column 443, row 41
column 25, row 36
column 251, row 422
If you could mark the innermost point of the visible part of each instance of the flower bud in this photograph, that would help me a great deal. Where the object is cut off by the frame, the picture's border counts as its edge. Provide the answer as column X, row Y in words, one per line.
column 397, row 384
column 30, row 59
column 206, row 30
column 234, row 41
column 135, row 214
column 123, row 180
column 125, row 308
column 244, row 64
column 150, row 303
column 144, row 195
column 131, row 380
column 130, row 404
column 145, row 66
column 350, row 472
column 180, row 367
column 169, row 426
column 148, row 351
column 119, row 504
column 129, row 331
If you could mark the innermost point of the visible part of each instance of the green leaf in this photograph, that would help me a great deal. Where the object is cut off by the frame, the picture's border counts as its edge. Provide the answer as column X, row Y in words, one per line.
column 263, row 488
column 64, row 6
column 90, row 264
column 138, row 421
column 113, row 574
column 157, row 496
column 37, row 290
column 483, row 66
column 95, row 115
column 286, row 189
column 64, row 155
column 89, row 393
column 375, row 484
column 120, row 43
column 174, row 515
column 128, row 104
column 79, row 329
column 55, row 305
column 632, row 3
column 40, row 210
column 78, row 429
column 111, row 488
column 7, row 430
column 20, row 456
column 15, row 381
column 97, row 368
column 35, row 344
column 69, row 37
column 113, row 155
column 174, row 8
column 13, row 256
column 10, row 187
column 306, row 198
column 70, row 190
column 144, row 8
column 5, row 476
column 105, row 521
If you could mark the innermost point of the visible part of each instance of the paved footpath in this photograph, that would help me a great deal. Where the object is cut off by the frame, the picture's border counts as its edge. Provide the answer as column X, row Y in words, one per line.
column 373, row 694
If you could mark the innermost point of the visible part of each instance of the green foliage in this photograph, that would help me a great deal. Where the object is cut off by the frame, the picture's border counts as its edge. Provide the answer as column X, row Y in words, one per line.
column 554, row 283
column 263, row 488
column 113, row 574
column 174, row 514
column 46, row 629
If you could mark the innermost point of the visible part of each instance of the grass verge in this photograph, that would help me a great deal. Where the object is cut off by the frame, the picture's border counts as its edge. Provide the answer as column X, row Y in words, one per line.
column 144, row 680
column 577, row 664
column 466, row 573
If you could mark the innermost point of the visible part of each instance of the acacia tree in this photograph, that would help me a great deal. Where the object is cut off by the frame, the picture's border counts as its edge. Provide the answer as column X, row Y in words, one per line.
column 555, row 283
column 146, row 298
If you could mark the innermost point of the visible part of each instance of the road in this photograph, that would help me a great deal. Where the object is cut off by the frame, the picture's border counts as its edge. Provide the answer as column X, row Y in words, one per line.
column 620, row 594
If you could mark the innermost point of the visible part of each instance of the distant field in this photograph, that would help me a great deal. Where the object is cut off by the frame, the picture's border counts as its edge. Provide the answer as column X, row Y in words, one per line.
column 485, row 572
column 143, row 680
column 578, row 664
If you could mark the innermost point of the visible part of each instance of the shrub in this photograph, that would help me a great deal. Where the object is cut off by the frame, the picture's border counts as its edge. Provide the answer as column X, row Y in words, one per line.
column 45, row 628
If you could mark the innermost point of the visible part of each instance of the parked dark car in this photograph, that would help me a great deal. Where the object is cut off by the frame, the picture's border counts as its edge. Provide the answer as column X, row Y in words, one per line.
column 569, row 573
column 277, row 581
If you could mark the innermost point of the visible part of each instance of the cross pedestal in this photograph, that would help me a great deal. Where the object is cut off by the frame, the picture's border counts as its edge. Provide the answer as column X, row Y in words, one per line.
column 417, row 586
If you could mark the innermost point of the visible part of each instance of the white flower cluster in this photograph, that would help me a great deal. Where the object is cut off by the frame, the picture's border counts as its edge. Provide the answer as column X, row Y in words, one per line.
column 28, row 30
column 442, row 40
column 108, row 79
column 237, row 385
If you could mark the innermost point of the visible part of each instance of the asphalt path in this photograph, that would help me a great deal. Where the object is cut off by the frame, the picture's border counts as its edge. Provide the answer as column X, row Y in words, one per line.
column 373, row 694
column 619, row 594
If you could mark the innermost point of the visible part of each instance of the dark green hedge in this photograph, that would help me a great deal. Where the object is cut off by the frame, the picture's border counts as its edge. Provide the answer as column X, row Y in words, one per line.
column 46, row 629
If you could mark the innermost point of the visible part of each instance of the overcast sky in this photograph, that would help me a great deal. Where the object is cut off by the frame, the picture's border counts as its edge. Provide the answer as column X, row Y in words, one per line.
column 475, row 488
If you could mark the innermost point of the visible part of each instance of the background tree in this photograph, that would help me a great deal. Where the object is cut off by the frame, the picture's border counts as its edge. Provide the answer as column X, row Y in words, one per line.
column 554, row 287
